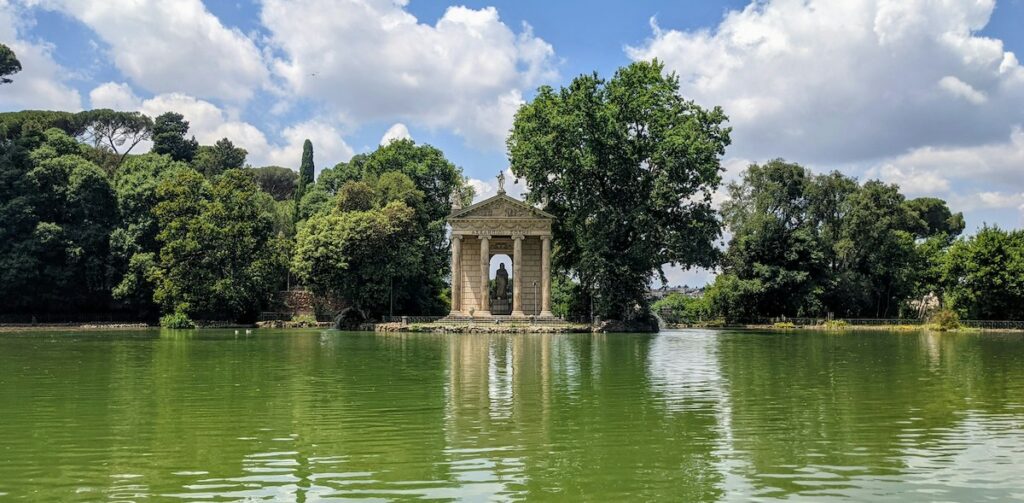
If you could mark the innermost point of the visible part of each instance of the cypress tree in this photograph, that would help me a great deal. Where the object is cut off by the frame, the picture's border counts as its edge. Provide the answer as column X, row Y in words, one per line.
column 306, row 171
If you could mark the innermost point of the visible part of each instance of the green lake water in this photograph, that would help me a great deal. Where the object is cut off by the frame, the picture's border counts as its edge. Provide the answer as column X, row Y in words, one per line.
column 684, row 416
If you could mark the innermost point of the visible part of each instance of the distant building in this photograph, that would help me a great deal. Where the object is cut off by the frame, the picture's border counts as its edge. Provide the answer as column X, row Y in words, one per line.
column 660, row 293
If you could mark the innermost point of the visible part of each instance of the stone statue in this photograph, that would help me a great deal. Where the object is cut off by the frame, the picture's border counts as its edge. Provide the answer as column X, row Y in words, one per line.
column 501, row 182
column 501, row 282
column 456, row 199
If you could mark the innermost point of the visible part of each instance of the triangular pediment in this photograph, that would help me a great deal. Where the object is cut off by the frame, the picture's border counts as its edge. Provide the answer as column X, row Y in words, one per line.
column 501, row 206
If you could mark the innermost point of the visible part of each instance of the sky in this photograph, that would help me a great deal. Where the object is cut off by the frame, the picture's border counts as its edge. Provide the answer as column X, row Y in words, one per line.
column 928, row 94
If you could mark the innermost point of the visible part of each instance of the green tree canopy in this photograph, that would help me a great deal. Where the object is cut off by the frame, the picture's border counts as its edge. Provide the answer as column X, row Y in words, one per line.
column 277, row 181
column 219, row 257
column 9, row 64
column 169, row 132
column 116, row 132
column 222, row 156
column 627, row 167
column 362, row 247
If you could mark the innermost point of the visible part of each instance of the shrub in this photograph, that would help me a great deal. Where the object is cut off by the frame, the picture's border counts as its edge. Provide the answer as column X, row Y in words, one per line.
column 836, row 324
column 304, row 320
column 177, row 320
column 945, row 319
column 783, row 324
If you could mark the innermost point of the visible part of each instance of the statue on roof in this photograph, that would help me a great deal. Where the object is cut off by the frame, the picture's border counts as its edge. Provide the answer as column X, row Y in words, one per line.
column 501, row 182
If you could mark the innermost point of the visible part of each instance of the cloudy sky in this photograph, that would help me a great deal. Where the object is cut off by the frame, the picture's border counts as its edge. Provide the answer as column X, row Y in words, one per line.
column 925, row 93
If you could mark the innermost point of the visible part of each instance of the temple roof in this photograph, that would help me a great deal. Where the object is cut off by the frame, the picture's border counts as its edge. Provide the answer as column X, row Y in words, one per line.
column 500, row 206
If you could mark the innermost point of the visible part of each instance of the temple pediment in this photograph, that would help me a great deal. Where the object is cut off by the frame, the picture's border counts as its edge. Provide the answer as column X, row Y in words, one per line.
column 500, row 206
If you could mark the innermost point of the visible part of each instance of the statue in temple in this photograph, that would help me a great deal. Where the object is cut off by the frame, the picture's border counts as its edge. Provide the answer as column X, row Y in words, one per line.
column 501, row 282
column 456, row 199
column 501, row 182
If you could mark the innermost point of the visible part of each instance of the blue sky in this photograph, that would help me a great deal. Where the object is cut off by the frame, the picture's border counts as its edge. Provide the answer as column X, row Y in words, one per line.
column 925, row 93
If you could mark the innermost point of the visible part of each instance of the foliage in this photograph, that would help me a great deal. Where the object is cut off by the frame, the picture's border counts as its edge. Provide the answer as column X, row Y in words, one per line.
column 984, row 275
column 810, row 245
column 9, row 64
column 307, row 171
column 785, row 325
column 356, row 255
column 169, row 132
column 279, row 182
column 177, row 321
column 219, row 258
column 946, row 319
column 836, row 324
column 57, row 210
column 116, row 132
column 678, row 308
column 222, row 156
column 419, row 176
column 134, row 246
column 627, row 167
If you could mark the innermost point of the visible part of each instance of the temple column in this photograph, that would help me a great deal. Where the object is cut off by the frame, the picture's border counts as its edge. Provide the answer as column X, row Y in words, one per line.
column 485, row 276
column 545, row 276
column 456, row 275
column 517, row 275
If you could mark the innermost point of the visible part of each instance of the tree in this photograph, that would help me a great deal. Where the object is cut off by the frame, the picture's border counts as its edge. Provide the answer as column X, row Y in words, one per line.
column 679, row 308
column 134, row 246
column 307, row 172
column 358, row 248
column 219, row 257
column 277, row 181
column 222, row 156
column 934, row 218
column 57, row 210
column 984, row 275
column 773, row 240
column 9, row 64
column 117, row 132
column 627, row 167
column 169, row 132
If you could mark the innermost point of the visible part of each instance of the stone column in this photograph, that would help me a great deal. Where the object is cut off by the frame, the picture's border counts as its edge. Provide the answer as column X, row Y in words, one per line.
column 485, row 276
column 517, row 276
column 545, row 276
column 456, row 275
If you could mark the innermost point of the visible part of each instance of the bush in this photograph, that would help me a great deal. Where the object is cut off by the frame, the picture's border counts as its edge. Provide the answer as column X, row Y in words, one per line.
column 304, row 321
column 177, row 321
column 836, row 324
column 783, row 324
column 945, row 319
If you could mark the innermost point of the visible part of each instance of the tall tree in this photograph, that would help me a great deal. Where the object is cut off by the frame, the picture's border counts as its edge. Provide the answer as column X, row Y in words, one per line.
column 306, row 171
column 984, row 275
column 627, row 167
column 117, row 132
column 169, row 132
column 277, row 181
column 9, row 64
column 57, row 210
column 219, row 257
column 222, row 156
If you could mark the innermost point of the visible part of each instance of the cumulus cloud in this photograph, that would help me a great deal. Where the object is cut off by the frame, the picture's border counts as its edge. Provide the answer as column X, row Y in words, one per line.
column 485, row 189
column 832, row 82
column 395, row 132
column 373, row 60
column 209, row 123
column 40, row 84
column 172, row 46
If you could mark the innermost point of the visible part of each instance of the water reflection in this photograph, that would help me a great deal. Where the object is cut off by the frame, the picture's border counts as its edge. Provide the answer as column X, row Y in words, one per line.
column 695, row 416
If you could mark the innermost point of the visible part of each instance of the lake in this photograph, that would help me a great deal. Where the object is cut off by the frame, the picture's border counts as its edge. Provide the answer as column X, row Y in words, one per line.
column 689, row 416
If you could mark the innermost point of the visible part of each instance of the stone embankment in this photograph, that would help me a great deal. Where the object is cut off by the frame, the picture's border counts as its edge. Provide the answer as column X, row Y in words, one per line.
column 479, row 328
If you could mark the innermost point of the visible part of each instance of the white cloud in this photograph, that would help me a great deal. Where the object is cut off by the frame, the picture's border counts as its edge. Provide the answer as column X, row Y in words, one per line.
column 937, row 169
column 822, row 81
column 373, row 60
column 40, row 83
column 961, row 89
column 173, row 46
column 396, row 132
column 210, row 123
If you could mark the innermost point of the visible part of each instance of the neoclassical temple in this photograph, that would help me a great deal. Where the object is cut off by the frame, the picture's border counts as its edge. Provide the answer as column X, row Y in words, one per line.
column 500, row 225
